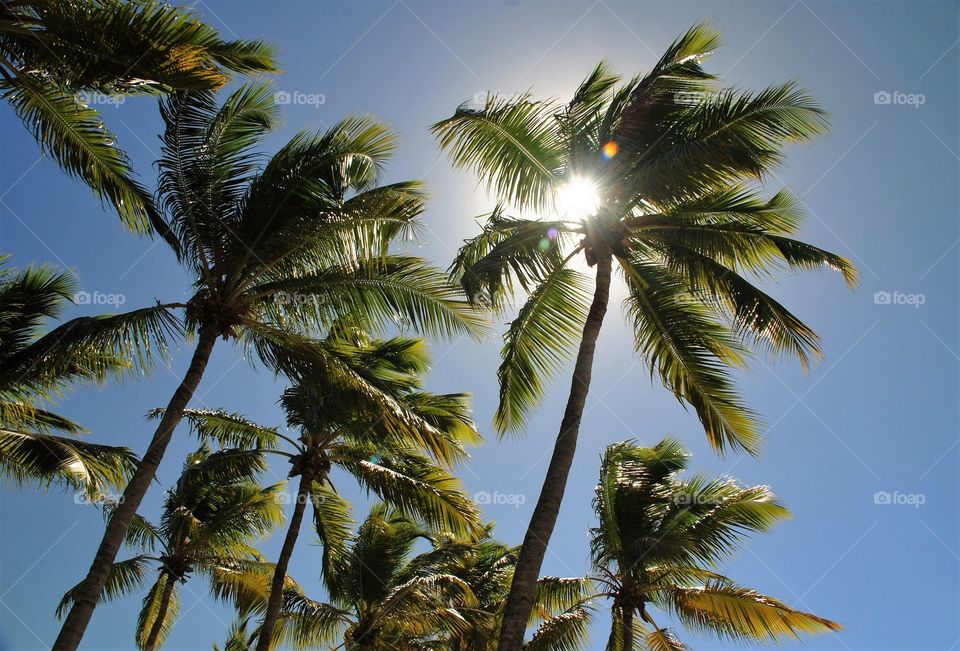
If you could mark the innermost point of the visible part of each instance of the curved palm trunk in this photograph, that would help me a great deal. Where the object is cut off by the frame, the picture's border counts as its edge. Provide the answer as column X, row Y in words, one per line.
column 89, row 590
column 627, row 623
column 154, row 635
column 520, row 600
column 265, row 637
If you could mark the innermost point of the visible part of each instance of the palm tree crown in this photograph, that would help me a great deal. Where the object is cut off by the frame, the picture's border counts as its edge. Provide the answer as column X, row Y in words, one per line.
column 659, row 539
column 210, row 519
column 669, row 159
column 371, row 419
column 656, row 177
column 36, row 368
column 278, row 251
column 55, row 52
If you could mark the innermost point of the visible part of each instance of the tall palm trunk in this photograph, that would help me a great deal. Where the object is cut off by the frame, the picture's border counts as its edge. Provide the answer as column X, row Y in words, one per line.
column 275, row 602
column 627, row 623
column 151, row 643
column 520, row 600
column 89, row 590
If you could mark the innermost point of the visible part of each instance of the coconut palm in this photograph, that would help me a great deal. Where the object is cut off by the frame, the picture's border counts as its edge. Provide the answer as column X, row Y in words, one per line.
column 659, row 540
column 275, row 252
column 381, row 595
column 654, row 175
column 396, row 445
column 56, row 55
column 36, row 368
column 561, row 612
column 210, row 519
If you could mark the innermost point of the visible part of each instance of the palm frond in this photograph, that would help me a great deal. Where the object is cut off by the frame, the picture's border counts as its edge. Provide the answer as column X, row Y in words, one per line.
column 93, row 468
column 538, row 343
column 418, row 487
column 74, row 135
column 743, row 614
column 512, row 145
column 152, row 604
column 567, row 631
column 690, row 352
column 125, row 577
column 230, row 430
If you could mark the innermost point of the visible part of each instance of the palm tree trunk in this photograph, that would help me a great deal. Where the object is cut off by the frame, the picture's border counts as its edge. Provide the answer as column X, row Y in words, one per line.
column 154, row 634
column 627, row 623
column 89, row 590
column 520, row 600
column 265, row 636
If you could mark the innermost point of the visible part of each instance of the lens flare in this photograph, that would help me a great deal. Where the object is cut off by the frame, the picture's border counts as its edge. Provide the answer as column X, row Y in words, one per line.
column 610, row 150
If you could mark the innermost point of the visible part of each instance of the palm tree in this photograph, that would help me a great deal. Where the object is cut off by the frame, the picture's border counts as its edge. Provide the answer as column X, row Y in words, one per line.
column 381, row 596
column 275, row 252
column 210, row 519
column 654, row 175
column 53, row 52
column 561, row 612
column 36, row 369
column 659, row 536
column 391, row 444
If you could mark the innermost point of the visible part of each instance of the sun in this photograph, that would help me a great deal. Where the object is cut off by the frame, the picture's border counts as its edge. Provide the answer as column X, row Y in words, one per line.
column 578, row 198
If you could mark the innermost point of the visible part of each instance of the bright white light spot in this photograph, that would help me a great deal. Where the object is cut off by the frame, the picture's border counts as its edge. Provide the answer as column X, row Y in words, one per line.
column 578, row 198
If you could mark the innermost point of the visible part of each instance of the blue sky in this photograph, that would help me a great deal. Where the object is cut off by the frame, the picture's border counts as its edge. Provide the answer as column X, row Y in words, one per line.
column 879, row 414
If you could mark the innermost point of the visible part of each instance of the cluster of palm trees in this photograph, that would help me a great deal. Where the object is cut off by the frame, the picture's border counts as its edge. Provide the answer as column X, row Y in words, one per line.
column 655, row 177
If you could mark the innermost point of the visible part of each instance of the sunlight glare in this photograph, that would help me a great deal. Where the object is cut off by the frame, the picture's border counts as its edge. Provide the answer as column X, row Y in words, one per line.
column 578, row 198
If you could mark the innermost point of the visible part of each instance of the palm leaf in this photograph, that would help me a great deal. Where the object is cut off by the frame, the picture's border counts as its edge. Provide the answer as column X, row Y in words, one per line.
column 743, row 614
column 511, row 144
column 538, row 343
column 125, row 577
column 689, row 351
column 28, row 456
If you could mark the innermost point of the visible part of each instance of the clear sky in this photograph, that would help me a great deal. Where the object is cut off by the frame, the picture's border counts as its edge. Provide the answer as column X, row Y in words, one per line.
column 879, row 414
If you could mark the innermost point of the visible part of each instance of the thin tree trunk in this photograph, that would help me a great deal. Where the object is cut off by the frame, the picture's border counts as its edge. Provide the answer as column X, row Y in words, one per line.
column 89, row 590
column 520, row 600
column 154, row 634
column 627, row 623
column 265, row 637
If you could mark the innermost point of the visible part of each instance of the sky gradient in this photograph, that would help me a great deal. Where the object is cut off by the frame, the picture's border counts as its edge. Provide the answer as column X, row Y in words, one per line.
column 878, row 416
